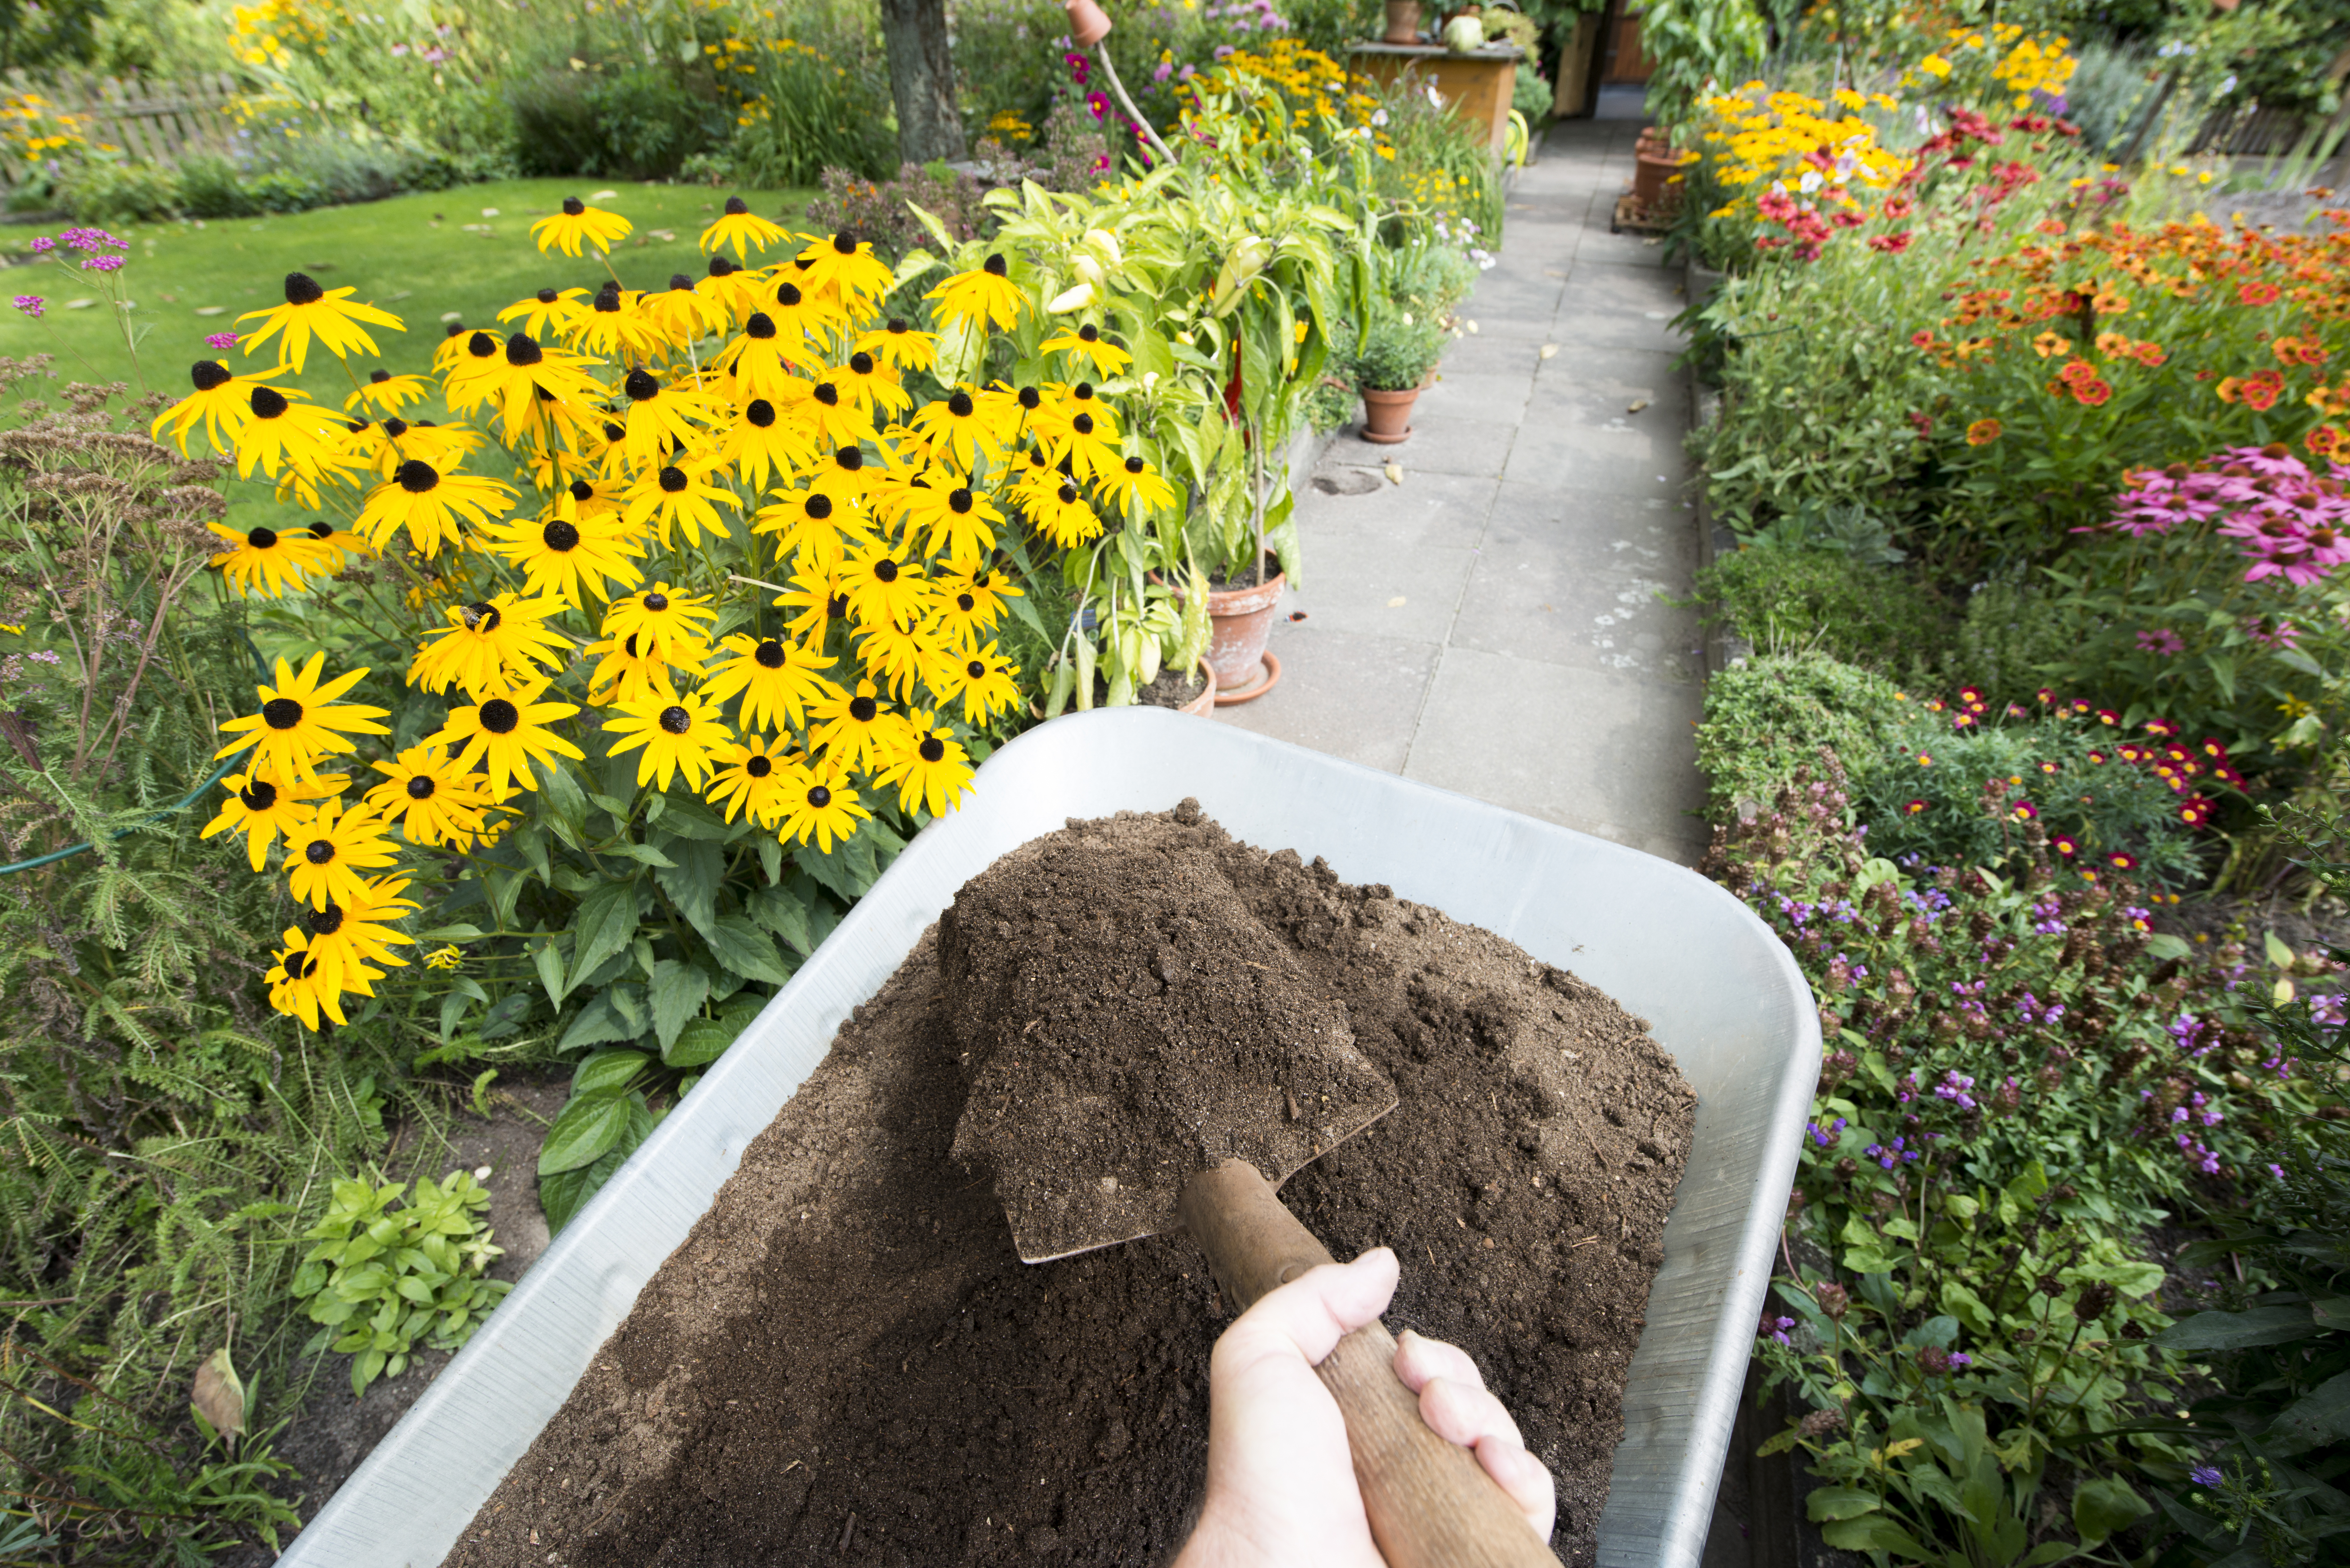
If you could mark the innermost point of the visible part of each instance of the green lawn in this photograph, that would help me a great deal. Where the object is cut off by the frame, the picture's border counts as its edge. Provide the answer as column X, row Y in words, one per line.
column 413, row 256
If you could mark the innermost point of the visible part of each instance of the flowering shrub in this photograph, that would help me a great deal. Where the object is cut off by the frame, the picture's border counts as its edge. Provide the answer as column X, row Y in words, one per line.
column 2013, row 1090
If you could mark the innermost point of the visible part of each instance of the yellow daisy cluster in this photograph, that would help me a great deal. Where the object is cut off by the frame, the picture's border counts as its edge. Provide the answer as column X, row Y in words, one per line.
column 268, row 34
column 2002, row 61
column 1312, row 86
column 31, row 126
column 686, row 462
column 1758, row 138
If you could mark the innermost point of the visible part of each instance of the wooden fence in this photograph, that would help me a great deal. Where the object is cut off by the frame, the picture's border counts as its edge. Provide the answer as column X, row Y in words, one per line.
column 157, row 121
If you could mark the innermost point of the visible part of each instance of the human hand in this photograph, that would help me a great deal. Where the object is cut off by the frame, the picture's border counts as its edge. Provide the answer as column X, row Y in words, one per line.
column 1281, row 1483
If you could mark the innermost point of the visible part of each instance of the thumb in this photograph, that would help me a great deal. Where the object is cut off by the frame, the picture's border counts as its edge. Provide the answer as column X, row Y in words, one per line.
column 1307, row 1317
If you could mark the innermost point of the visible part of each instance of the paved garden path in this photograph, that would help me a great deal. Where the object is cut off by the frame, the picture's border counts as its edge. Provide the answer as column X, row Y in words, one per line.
column 1492, row 624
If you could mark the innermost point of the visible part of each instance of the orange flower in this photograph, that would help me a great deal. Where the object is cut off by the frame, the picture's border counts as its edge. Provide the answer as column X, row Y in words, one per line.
column 2092, row 391
column 2257, row 293
column 2050, row 344
column 2229, row 389
column 1982, row 432
column 2323, row 442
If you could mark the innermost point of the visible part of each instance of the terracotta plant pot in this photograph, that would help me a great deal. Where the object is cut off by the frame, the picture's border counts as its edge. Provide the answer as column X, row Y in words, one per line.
column 1403, row 22
column 1089, row 23
column 1242, row 616
column 1656, row 163
column 1387, row 415
column 1205, row 702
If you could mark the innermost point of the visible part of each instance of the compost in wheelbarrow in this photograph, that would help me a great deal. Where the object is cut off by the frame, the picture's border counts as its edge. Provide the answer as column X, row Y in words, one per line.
column 847, row 1361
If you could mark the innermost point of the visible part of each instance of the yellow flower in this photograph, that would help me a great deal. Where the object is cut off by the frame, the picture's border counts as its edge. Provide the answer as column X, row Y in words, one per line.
column 819, row 804
column 300, row 721
column 325, row 856
column 742, row 229
column 263, row 557
column 343, row 937
column 930, row 768
column 986, row 297
column 756, row 778
column 298, row 988
column 506, row 732
column 262, row 809
column 434, row 800
column 678, row 735
column 1107, row 357
column 327, row 314
column 385, row 393
column 434, row 507
column 569, row 551
column 579, row 223
column 777, row 680
column 662, row 619
column 680, row 493
column 222, row 402
column 490, row 643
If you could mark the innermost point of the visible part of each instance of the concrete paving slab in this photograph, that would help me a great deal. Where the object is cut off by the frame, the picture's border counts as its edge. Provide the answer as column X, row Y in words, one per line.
column 1411, row 595
column 1441, row 443
column 1495, row 395
column 1606, row 753
column 1426, row 511
column 1352, row 696
column 1578, row 577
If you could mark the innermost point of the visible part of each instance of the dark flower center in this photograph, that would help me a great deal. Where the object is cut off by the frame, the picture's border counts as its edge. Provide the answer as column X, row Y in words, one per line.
column 454, row 329
column 499, row 716
column 322, row 529
column 862, row 709
column 1083, row 424
column 1088, row 334
column 788, row 292
column 613, row 432
column 1083, row 391
column 1029, row 399
column 416, row 476
column 1069, row 492
column 761, row 413
column 959, row 405
column 819, row 796
column 258, row 795
column 736, row 207
column 770, row 654
column 395, row 429
column 560, row 535
column 678, row 280
column 573, row 207
column 958, row 501
column 281, row 713
column 261, row 538
column 483, row 616
column 640, row 387
column 324, row 922
column 818, row 505
column 758, row 767
column 268, row 402
column 607, row 298
column 828, row 394
column 975, row 670
column 355, row 426
column 420, row 786
column 302, row 289
column 721, row 267
column 965, row 603
column 676, row 721
column 672, row 480
column 301, row 966
column 851, row 458
column 980, row 581
column 545, row 296
column 522, row 350
column 656, row 602
column 761, row 325
column 207, row 374
column 378, row 378
column 318, row 851
column 993, row 265
column 481, row 345
column 897, row 324
column 860, row 363
column 932, row 749
column 837, row 606
column 1133, row 466
column 629, row 647
column 582, row 491
column 843, row 244
column 885, row 570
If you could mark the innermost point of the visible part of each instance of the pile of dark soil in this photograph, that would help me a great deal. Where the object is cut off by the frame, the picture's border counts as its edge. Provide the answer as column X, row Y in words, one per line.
column 845, row 1361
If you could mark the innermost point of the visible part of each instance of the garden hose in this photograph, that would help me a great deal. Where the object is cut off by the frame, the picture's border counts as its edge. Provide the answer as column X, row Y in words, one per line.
column 1518, row 141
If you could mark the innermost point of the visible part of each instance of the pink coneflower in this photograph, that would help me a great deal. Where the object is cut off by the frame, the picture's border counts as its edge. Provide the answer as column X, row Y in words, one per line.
column 2162, row 640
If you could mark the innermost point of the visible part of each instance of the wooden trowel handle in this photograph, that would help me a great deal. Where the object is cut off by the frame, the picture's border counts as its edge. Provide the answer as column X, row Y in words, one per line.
column 1431, row 1504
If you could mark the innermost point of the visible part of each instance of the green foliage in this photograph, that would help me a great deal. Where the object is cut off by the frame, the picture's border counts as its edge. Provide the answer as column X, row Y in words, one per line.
column 1836, row 603
column 1766, row 717
column 387, row 1272
column 103, row 187
column 1690, row 43
column 1398, row 350
column 811, row 112
column 637, row 124
column 2010, row 638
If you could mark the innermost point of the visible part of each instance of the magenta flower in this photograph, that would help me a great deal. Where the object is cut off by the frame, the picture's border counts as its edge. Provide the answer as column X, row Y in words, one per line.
column 220, row 342
column 2161, row 641
column 42, row 244
column 30, row 303
column 102, row 264
column 1097, row 102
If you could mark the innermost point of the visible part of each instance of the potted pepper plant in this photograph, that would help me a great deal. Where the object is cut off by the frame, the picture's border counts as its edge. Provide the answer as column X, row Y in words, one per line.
column 1400, row 348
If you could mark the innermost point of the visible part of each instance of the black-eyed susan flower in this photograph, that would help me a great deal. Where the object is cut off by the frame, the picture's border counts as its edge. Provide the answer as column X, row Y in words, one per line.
column 733, row 287
column 928, row 766
column 984, row 680
column 679, row 493
column 828, row 418
column 1134, row 486
column 263, row 809
column 1064, row 518
column 384, row 445
column 433, row 800
column 857, row 730
column 760, row 362
column 616, row 323
column 577, row 223
column 343, row 938
column 847, row 267
column 897, row 346
column 764, row 448
column 958, row 522
column 222, row 402
column 684, row 313
column 813, row 600
column 956, row 430
column 632, row 667
column 814, row 530
column 662, row 418
column 1086, row 344
column 434, row 507
column 506, row 732
column 283, row 437
column 819, row 804
column 549, row 313
column 904, row 654
column 741, row 230
column 330, row 315
column 570, row 551
column 1090, row 444
column 875, row 386
column 326, row 857
column 665, row 620
column 884, row 584
column 847, row 473
column 526, row 383
column 384, row 393
column 777, row 680
column 804, row 322
column 677, row 734
column 489, row 642
column 261, row 558
column 300, row 722
column 985, row 296
column 299, row 989
column 753, row 776
column 970, row 602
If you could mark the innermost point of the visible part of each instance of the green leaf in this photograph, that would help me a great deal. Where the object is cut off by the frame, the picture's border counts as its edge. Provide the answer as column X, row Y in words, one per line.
column 2104, row 1505
column 548, row 961
column 644, row 853
column 1779, row 1444
column 2237, row 1330
column 1840, row 1502
column 782, row 911
column 2163, row 945
column 602, row 924
column 691, row 881
column 2319, row 1415
column 704, row 1040
column 600, row 1022
column 583, row 1131
column 678, row 992
column 1873, row 1533
column 747, row 950
column 606, row 1072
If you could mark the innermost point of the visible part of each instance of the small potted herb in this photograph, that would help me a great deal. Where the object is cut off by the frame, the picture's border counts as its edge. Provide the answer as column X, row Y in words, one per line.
column 1398, row 351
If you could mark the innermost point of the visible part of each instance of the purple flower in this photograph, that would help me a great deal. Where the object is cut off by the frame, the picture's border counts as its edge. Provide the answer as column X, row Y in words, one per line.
column 2206, row 1475
column 2161, row 641
column 30, row 303
column 1960, row 1358
column 43, row 246
column 221, row 341
column 102, row 264
column 89, row 242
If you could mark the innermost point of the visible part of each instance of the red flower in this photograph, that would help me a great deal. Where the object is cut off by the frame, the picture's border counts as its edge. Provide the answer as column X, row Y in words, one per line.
column 2045, row 696
column 2098, row 757
column 1962, row 720
column 2064, row 844
column 2214, row 750
column 1982, row 432
column 2095, row 392
column 2131, row 752
column 2260, row 398
column 1922, row 338
column 2161, row 727
column 1971, row 695
column 2024, row 811
column 2195, row 811
column 2048, row 767
column 1891, row 244
column 2258, row 293
column 1914, row 807
column 2322, row 440
column 2121, row 861
column 2108, row 716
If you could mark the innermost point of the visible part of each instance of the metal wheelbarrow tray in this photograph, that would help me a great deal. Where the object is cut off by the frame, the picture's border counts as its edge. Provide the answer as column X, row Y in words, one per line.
column 1718, row 988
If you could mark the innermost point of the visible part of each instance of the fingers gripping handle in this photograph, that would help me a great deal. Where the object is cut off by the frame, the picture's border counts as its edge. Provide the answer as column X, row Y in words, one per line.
column 1431, row 1504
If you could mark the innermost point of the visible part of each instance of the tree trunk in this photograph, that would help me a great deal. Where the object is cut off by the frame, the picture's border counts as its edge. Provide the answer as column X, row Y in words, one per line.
column 921, row 80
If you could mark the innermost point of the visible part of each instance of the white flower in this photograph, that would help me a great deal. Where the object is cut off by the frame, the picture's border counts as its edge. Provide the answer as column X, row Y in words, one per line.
column 1810, row 182
column 1435, row 97
column 1076, row 299
column 1379, row 117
